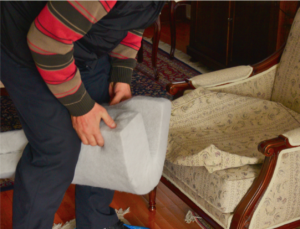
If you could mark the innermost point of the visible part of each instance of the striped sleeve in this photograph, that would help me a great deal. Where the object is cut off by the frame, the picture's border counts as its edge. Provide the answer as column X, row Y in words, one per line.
column 123, row 57
column 50, row 39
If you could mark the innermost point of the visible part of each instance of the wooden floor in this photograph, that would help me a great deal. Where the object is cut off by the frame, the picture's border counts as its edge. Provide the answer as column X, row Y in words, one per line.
column 170, row 213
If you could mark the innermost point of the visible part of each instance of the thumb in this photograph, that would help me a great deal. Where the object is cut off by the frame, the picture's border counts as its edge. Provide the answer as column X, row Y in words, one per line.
column 116, row 99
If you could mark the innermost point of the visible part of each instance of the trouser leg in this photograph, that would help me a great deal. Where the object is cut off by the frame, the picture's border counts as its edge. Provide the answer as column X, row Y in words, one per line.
column 92, row 204
column 47, row 165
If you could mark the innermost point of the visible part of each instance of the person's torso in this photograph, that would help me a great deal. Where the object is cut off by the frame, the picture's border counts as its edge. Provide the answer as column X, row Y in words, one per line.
column 105, row 35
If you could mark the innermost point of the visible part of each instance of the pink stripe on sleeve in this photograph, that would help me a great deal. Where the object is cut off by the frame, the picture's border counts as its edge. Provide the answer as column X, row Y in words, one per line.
column 58, row 76
column 132, row 40
column 52, row 27
column 108, row 5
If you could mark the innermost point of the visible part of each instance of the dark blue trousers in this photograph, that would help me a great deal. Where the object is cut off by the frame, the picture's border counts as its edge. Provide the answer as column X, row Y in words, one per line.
column 47, row 166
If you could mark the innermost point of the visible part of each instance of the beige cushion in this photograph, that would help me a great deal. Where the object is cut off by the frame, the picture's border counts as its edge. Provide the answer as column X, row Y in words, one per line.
column 219, row 130
column 222, row 219
column 228, row 75
column 287, row 81
column 222, row 189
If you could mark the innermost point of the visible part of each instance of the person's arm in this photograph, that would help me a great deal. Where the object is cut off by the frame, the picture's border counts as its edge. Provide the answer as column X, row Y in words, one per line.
column 50, row 39
column 123, row 62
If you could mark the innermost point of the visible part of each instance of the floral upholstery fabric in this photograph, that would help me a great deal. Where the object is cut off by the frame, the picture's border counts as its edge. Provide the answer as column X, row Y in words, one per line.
column 258, row 86
column 223, row 219
column 223, row 189
column 281, row 202
column 219, row 130
column 287, row 81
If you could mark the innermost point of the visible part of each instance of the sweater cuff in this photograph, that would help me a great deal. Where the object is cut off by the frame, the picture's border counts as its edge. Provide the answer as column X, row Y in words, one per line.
column 122, row 70
column 78, row 103
column 121, row 74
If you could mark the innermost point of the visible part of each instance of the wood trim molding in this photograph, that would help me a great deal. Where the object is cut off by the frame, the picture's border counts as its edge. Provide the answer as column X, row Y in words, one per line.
column 245, row 209
column 268, row 62
column 178, row 88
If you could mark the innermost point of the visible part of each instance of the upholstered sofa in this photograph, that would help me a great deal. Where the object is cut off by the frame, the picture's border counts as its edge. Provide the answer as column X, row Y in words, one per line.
column 234, row 142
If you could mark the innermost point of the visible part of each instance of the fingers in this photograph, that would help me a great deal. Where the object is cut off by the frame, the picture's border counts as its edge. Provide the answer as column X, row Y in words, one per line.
column 108, row 120
column 121, row 92
column 116, row 99
column 88, row 138
column 88, row 126
column 99, row 139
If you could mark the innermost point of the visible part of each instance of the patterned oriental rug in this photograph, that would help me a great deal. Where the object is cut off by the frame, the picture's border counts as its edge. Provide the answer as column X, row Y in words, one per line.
column 143, row 83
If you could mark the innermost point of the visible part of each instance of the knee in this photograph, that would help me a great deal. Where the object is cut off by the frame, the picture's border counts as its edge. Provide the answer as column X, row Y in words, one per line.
column 60, row 150
column 69, row 149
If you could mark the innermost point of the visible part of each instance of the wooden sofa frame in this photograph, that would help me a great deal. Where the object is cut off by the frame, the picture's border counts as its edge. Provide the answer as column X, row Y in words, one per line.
column 270, row 148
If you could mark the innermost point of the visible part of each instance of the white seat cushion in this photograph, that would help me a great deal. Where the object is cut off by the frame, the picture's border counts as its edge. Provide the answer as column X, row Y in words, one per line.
column 134, row 152
column 222, row 189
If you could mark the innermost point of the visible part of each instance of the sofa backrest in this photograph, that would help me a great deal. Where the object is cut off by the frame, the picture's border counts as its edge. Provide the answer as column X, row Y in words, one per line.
column 286, row 88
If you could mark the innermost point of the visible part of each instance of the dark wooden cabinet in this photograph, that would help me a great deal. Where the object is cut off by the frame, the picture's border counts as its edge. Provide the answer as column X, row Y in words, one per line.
column 230, row 33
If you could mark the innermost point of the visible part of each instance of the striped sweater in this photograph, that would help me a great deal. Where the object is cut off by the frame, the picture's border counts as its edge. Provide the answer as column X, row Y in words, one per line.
column 50, row 39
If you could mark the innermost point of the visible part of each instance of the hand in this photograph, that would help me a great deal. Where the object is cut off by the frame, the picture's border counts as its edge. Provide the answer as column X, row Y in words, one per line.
column 119, row 92
column 88, row 126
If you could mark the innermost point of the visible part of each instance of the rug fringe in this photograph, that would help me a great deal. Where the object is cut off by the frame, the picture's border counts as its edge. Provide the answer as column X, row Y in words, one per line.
column 189, row 218
column 72, row 223
column 57, row 226
column 181, row 56
column 121, row 213
column 194, row 217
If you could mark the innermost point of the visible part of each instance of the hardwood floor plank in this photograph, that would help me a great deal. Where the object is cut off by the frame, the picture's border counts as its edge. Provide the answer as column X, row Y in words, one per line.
column 174, row 198
column 6, row 210
column 138, row 207
column 118, row 203
column 66, row 210
column 58, row 220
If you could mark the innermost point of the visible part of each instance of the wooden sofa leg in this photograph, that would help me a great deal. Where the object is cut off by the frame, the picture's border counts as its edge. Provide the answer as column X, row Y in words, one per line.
column 140, row 54
column 152, row 203
column 155, row 41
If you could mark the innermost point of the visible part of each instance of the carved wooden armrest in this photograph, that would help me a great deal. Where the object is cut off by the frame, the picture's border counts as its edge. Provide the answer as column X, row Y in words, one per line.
column 268, row 62
column 177, row 88
column 274, row 146
column 271, row 149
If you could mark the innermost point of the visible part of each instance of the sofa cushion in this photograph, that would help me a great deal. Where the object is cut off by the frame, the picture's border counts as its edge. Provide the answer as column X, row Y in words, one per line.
column 223, row 219
column 222, row 189
column 133, row 155
column 221, row 130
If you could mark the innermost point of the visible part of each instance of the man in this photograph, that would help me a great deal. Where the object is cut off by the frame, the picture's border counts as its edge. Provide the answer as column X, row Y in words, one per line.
column 59, row 62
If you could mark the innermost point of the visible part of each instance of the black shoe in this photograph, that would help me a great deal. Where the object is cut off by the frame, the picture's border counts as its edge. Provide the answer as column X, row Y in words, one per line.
column 118, row 225
column 121, row 225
